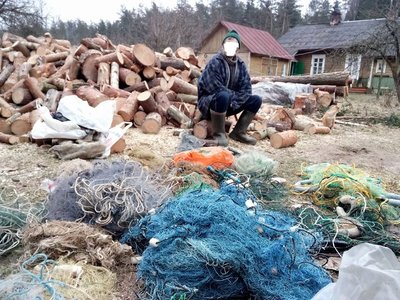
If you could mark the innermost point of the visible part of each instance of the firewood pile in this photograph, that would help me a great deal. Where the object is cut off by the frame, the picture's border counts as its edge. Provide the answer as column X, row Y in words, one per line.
column 150, row 89
column 280, row 124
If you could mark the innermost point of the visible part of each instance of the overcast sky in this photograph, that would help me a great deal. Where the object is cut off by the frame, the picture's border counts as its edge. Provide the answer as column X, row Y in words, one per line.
column 96, row 10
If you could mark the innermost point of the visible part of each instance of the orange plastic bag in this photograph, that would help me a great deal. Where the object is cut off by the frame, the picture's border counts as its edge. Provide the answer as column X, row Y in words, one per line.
column 217, row 157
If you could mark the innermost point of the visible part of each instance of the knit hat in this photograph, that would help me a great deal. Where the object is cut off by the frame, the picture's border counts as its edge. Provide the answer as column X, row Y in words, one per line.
column 233, row 34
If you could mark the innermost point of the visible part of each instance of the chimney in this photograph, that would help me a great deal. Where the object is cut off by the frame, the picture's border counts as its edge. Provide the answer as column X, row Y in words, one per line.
column 336, row 15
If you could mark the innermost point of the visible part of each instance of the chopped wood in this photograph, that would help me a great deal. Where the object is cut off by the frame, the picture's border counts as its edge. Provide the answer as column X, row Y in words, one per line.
column 143, row 55
column 30, row 106
column 322, row 130
column 200, row 129
column 103, row 75
column 114, row 76
column 323, row 98
column 114, row 92
column 32, row 84
column 88, row 62
column 263, row 133
column 139, row 87
column 174, row 62
column 5, row 127
column 152, row 123
column 91, row 95
column 7, row 109
column 168, row 52
column 23, row 71
column 5, row 73
column 138, row 118
column 283, row 139
column 149, row 73
column 21, row 96
column 52, row 98
column 179, row 86
column 147, row 102
column 8, row 139
column 43, row 70
column 179, row 116
column 21, row 125
column 129, row 107
column 328, row 119
column 191, row 99
column 129, row 77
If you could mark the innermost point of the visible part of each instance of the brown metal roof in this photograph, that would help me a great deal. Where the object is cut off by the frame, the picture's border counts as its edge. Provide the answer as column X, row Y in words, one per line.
column 259, row 41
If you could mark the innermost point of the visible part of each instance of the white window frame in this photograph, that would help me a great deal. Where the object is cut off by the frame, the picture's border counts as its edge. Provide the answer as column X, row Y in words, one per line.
column 315, row 59
column 380, row 62
column 353, row 65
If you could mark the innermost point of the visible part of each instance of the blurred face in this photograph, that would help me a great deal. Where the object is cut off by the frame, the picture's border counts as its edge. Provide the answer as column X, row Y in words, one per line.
column 230, row 46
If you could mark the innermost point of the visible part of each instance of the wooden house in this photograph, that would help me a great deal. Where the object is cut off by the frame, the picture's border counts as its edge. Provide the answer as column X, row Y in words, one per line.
column 260, row 51
column 323, row 48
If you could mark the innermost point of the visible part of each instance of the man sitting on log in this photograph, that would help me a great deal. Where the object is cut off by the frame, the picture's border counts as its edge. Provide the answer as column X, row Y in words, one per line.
column 224, row 89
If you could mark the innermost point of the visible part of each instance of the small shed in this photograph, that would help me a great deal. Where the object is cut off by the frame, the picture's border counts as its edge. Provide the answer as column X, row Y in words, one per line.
column 261, row 52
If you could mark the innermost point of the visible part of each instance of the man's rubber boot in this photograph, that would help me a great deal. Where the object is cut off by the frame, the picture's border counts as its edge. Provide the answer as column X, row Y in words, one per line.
column 239, row 133
column 218, row 128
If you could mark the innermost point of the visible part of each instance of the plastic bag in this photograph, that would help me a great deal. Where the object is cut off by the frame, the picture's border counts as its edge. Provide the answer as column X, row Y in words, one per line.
column 42, row 131
column 217, row 157
column 368, row 272
column 98, row 118
column 113, row 135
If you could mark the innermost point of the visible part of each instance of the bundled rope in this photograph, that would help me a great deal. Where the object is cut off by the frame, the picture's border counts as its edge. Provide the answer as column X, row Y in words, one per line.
column 112, row 194
column 13, row 217
column 208, row 244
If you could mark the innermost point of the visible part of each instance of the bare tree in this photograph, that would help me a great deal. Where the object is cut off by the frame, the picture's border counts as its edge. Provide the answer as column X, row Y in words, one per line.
column 14, row 12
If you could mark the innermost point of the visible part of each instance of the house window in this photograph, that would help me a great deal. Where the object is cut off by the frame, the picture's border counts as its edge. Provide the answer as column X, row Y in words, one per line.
column 317, row 64
column 380, row 66
column 352, row 65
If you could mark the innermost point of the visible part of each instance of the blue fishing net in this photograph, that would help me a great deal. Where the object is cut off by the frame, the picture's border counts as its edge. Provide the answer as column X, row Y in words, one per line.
column 216, row 244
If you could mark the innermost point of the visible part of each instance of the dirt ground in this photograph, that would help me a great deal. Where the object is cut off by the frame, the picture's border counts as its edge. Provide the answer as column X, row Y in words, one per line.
column 371, row 147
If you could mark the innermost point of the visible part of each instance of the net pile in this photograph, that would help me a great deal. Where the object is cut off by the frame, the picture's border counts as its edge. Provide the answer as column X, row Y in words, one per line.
column 112, row 194
column 214, row 244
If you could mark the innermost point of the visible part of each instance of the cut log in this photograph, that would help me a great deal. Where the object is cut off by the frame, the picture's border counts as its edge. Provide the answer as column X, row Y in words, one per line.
column 139, row 87
column 114, row 76
column 8, row 139
column 168, row 52
column 23, row 71
column 21, row 96
column 80, row 50
column 91, row 95
column 19, row 46
column 176, row 63
column 283, row 139
column 147, row 102
column 334, row 78
column 152, row 123
column 129, row 107
column 88, row 62
column 143, row 55
column 328, row 119
column 30, row 106
column 56, row 56
column 323, row 98
column 119, row 146
column 179, row 117
column 21, row 125
column 191, row 99
column 44, row 70
column 322, row 130
column 7, row 110
column 154, row 82
column 129, row 77
column 114, row 92
column 103, row 75
column 149, row 73
column 5, row 73
column 138, row 118
column 5, row 127
column 33, row 86
column 179, row 86
column 171, row 71
column 264, row 133
column 303, row 124
column 109, row 58
column 200, row 129
column 52, row 98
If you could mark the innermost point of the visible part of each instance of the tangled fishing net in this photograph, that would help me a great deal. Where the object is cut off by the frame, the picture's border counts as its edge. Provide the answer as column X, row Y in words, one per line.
column 43, row 278
column 260, row 170
column 78, row 242
column 13, row 217
column 216, row 244
column 363, row 208
column 112, row 194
